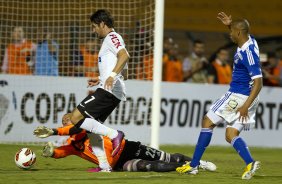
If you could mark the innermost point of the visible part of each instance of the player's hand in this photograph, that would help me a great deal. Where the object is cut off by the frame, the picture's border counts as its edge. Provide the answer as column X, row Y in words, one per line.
column 94, row 81
column 43, row 132
column 243, row 114
column 48, row 150
column 226, row 20
column 109, row 83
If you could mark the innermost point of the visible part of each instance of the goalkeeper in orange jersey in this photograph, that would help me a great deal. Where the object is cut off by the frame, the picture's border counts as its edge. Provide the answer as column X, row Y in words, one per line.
column 133, row 156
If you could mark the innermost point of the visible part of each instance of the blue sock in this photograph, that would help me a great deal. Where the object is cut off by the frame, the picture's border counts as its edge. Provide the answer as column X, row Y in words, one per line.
column 203, row 141
column 241, row 147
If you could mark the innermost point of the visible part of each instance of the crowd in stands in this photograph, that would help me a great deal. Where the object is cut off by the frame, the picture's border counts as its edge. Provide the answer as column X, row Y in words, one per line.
column 196, row 68
column 23, row 57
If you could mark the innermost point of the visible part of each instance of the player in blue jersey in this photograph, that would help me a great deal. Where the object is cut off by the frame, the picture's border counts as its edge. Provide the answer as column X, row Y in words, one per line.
column 237, row 107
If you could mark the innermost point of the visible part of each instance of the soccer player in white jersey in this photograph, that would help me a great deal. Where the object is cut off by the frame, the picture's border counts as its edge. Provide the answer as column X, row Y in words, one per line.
column 238, row 106
column 112, row 64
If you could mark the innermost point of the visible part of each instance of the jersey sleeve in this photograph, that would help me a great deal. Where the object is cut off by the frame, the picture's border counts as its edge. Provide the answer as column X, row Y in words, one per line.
column 115, row 42
column 253, row 63
column 68, row 130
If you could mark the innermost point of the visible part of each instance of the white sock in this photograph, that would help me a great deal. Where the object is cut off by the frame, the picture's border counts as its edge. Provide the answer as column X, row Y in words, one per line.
column 96, row 127
column 97, row 144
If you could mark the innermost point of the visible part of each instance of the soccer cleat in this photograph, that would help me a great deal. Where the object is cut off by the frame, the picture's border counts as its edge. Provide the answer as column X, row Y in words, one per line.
column 187, row 169
column 48, row 150
column 206, row 165
column 117, row 142
column 250, row 170
column 98, row 169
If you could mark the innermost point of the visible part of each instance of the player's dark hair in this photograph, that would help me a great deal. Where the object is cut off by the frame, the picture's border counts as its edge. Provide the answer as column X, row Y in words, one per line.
column 102, row 16
column 241, row 24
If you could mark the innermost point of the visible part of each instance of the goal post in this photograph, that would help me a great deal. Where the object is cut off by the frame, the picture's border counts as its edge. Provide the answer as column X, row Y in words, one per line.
column 157, row 77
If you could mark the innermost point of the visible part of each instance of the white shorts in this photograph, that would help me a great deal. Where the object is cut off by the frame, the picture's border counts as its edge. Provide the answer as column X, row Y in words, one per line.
column 224, row 111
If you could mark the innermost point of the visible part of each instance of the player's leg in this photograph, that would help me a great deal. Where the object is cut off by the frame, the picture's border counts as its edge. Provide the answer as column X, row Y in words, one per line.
column 135, row 150
column 146, row 153
column 232, row 136
column 92, row 125
column 96, row 144
column 93, row 110
column 210, row 121
column 135, row 165
column 203, row 141
column 180, row 158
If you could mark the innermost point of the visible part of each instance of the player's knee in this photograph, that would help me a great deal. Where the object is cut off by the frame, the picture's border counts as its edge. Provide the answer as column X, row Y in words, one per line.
column 131, row 165
column 228, row 138
column 207, row 123
column 76, row 116
column 177, row 157
column 230, row 134
column 138, row 165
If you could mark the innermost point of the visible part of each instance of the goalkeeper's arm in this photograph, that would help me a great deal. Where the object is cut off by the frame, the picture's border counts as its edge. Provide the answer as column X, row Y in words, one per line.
column 43, row 132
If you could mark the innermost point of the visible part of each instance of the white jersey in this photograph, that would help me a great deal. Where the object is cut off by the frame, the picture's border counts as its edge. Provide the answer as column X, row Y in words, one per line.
column 107, row 60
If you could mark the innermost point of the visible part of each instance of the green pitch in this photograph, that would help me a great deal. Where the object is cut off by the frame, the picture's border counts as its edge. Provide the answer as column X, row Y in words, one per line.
column 73, row 169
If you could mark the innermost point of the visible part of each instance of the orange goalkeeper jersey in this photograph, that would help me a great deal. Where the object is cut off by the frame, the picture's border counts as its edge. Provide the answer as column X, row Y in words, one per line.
column 78, row 144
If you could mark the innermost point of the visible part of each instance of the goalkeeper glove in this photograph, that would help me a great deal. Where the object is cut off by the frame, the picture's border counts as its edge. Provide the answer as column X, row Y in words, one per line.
column 48, row 150
column 43, row 132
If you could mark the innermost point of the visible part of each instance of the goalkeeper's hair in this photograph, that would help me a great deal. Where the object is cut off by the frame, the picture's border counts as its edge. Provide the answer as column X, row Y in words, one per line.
column 102, row 16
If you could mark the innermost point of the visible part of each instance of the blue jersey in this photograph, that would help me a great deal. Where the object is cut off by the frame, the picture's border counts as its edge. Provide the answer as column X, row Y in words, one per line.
column 246, row 67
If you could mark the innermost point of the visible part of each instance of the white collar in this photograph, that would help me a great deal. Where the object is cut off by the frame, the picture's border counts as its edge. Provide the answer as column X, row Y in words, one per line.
column 245, row 45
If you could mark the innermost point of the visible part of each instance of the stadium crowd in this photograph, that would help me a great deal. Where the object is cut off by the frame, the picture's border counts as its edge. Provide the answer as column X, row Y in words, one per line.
column 24, row 57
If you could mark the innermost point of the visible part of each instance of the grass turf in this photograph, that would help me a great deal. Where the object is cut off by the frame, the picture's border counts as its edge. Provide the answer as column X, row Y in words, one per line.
column 73, row 169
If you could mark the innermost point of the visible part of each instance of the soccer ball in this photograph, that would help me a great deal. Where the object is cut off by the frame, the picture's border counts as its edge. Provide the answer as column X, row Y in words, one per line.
column 25, row 158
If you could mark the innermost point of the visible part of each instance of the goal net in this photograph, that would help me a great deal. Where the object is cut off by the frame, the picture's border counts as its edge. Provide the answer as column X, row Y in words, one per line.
column 68, row 23
column 36, row 93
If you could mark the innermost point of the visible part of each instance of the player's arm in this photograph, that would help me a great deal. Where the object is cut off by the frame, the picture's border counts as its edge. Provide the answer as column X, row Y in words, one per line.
column 123, row 57
column 243, row 110
column 43, row 132
column 67, row 130
column 257, row 85
column 125, row 74
column 254, row 92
